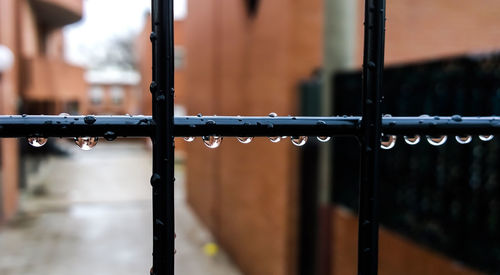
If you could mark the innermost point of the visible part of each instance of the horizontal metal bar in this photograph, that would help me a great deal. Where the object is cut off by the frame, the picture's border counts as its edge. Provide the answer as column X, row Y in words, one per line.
column 331, row 126
column 266, row 126
column 454, row 125
column 75, row 126
column 142, row 126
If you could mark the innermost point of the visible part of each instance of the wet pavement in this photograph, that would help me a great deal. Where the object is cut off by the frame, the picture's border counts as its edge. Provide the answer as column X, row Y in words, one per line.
column 90, row 213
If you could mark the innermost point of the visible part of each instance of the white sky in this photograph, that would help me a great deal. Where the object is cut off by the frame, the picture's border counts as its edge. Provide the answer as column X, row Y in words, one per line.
column 104, row 19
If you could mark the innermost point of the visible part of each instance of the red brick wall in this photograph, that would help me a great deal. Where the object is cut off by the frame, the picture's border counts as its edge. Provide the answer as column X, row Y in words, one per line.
column 398, row 255
column 8, row 98
column 249, row 66
column 428, row 29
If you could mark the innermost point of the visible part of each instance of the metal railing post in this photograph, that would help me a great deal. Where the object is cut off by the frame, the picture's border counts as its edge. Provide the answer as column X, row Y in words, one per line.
column 162, row 180
column 371, row 125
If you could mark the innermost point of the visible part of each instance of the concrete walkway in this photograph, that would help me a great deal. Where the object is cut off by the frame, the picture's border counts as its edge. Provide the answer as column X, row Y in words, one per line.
column 90, row 213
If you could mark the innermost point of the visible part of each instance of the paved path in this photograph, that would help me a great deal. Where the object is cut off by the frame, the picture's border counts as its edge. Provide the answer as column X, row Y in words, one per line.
column 90, row 213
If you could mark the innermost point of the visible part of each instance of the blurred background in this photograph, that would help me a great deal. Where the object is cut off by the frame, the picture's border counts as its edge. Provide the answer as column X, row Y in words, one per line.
column 258, row 208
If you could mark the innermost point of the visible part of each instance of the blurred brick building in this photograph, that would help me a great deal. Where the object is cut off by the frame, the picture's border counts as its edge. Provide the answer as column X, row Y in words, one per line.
column 114, row 92
column 247, row 58
column 40, row 81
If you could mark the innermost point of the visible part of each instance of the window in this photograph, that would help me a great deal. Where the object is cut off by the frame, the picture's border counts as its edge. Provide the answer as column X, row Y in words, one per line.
column 96, row 94
column 117, row 95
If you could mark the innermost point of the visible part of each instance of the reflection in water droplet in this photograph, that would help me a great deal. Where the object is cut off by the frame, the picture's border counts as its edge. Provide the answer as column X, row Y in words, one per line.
column 273, row 114
column 299, row 141
column 245, row 140
column 387, row 141
column 463, row 139
column 437, row 140
column 324, row 139
column 212, row 142
column 275, row 139
column 412, row 140
column 486, row 137
column 189, row 139
column 64, row 114
column 37, row 141
column 86, row 143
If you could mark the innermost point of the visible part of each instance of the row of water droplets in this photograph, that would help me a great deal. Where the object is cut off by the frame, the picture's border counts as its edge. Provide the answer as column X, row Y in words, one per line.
column 85, row 143
column 213, row 142
column 389, row 141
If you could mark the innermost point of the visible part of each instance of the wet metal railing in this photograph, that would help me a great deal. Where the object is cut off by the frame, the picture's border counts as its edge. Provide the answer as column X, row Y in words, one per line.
column 162, row 127
column 112, row 127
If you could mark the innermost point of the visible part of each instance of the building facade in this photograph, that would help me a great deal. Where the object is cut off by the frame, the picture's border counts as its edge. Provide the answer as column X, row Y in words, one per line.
column 40, row 81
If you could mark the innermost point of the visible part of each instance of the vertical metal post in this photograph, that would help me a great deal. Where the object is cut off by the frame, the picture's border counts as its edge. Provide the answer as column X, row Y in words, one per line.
column 373, row 64
column 162, row 180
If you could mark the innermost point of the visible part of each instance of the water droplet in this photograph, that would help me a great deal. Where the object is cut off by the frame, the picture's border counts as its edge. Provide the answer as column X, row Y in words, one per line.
column 486, row 137
column 245, row 140
column 212, row 142
column 189, row 139
column 86, row 143
column 437, row 140
column 273, row 114
column 324, row 139
column 110, row 136
column 37, row 141
column 412, row 140
column 463, row 139
column 89, row 119
column 275, row 139
column 299, row 141
column 456, row 118
column 387, row 141
column 64, row 115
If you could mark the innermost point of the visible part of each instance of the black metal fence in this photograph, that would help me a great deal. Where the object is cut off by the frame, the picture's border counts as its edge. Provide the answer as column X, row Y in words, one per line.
column 445, row 197
column 162, row 128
